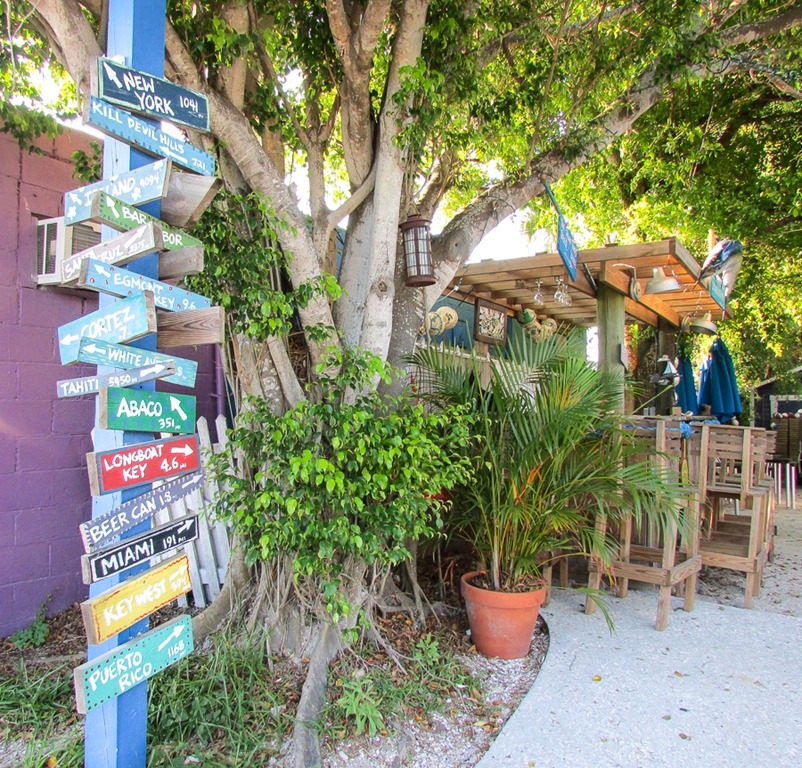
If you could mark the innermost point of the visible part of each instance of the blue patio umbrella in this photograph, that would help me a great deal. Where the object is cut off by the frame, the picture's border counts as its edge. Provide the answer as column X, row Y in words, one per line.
column 685, row 389
column 717, row 385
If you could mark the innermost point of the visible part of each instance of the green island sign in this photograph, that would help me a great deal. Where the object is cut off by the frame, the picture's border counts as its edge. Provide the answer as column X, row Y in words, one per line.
column 135, row 410
column 115, row 672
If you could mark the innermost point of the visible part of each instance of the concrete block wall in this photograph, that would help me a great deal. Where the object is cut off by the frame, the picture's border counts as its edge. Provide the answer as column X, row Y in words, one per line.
column 44, row 488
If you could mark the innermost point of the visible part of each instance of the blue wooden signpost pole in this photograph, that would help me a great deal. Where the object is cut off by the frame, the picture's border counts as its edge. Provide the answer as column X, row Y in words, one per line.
column 116, row 732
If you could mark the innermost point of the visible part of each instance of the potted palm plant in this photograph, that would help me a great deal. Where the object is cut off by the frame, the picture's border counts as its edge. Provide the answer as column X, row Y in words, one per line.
column 549, row 459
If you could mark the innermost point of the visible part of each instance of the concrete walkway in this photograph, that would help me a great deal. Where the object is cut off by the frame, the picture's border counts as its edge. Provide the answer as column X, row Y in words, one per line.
column 720, row 688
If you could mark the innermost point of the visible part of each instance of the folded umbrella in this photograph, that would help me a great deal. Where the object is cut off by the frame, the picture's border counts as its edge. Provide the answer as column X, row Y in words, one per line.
column 717, row 385
column 685, row 388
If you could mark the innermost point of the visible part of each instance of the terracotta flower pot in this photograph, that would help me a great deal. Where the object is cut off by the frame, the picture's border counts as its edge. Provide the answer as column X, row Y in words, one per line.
column 501, row 622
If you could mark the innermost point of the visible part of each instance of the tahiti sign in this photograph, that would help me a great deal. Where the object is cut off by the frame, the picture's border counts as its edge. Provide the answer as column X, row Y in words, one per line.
column 142, row 463
column 124, row 605
column 152, row 96
column 139, row 549
column 115, row 672
column 100, row 530
column 138, row 133
column 90, row 385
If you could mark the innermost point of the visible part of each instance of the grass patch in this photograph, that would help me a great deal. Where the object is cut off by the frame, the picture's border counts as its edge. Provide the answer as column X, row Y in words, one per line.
column 220, row 707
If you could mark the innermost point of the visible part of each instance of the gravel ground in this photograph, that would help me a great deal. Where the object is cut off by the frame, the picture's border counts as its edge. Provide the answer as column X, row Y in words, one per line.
column 455, row 740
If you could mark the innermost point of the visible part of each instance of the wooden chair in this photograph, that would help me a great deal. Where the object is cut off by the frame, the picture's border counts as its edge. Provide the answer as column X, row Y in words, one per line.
column 667, row 558
column 732, row 461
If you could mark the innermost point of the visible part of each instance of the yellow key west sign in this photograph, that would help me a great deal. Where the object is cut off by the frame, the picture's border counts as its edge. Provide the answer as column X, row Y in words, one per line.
column 125, row 604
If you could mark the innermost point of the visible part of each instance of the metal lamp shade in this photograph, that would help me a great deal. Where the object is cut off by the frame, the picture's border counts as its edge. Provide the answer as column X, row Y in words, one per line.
column 418, row 251
column 660, row 283
column 705, row 325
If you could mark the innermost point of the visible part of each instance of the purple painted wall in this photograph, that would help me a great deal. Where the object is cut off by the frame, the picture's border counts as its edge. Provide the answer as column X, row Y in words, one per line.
column 44, row 489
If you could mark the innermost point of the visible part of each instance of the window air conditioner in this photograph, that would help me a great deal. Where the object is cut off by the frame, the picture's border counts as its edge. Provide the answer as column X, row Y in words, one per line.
column 54, row 242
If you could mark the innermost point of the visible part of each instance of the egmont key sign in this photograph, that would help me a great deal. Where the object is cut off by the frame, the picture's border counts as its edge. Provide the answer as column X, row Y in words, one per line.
column 126, row 247
column 136, row 411
column 100, row 530
column 138, row 133
column 152, row 96
column 142, row 185
column 90, row 385
column 99, row 352
column 120, row 607
column 125, row 320
column 123, row 282
column 115, row 559
column 115, row 672
column 142, row 463
column 105, row 209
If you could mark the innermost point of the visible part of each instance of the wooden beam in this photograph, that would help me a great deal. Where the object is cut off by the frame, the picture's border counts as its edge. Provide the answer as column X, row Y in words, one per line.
column 195, row 326
column 188, row 196
column 648, row 309
column 182, row 262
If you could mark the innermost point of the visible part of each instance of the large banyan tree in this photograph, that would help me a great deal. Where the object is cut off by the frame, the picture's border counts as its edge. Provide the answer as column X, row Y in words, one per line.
column 462, row 108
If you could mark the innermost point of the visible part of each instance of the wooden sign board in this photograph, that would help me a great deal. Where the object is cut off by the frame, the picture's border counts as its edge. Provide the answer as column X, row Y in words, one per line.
column 123, row 217
column 98, row 352
column 126, row 247
column 717, row 291
column 138, row 133
column 142, row 185
column 188, row 196
column 134, row 410
column 181, row 262
column 122, row 282
column 124, row 605
column 115, row 672
column 90, row 385
column 125, row 320
column 120, row 557
column 101, row 530
column 151, row 96
column 142, row 463
column 196, row 326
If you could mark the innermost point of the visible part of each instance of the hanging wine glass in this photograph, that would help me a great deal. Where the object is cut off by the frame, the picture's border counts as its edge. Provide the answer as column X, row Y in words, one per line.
column 538, row 300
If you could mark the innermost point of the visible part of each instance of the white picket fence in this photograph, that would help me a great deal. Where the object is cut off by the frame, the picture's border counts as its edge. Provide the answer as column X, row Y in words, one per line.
column 209, row 553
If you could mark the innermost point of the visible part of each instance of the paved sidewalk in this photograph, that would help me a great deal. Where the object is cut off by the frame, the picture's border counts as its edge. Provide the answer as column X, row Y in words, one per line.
column 720, row 688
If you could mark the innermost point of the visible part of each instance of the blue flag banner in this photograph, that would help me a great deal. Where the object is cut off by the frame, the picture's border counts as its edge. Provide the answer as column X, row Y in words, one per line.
column 566, row 246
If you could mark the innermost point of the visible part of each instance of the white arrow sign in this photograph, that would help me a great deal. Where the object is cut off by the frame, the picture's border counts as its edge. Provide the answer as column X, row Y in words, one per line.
column 184, row 449
column 172, row 636
column 155, row 369
column 71, row 338
column 175, row 405
column 113, row 77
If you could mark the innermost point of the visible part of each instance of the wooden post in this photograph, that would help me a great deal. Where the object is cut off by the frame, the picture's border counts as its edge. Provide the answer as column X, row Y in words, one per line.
column 116, row 731
column 612, row 344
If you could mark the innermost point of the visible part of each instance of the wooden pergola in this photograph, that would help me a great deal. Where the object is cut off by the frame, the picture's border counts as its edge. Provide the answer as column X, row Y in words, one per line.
column 512, row 283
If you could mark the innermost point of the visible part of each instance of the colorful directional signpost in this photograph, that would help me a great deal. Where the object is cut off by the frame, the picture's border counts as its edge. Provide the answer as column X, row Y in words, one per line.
column 118, row 608
column 117, row 540
column 152, row 96
column 98, row 352
column 115, row 672
column 142, row 463
column 141, row 185
column 90, row 385
column 122, row 321
column 126, row 247
column 105, row 528
column 144, row 135
column 138, row 549
column 122, row 282
column 142, row 411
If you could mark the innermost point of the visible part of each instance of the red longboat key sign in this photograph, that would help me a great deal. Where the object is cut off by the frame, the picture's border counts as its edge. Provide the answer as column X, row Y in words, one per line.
column 143, row 463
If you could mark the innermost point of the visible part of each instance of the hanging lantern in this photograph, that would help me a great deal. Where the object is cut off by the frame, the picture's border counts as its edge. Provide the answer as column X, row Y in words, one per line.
column 418, row 251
